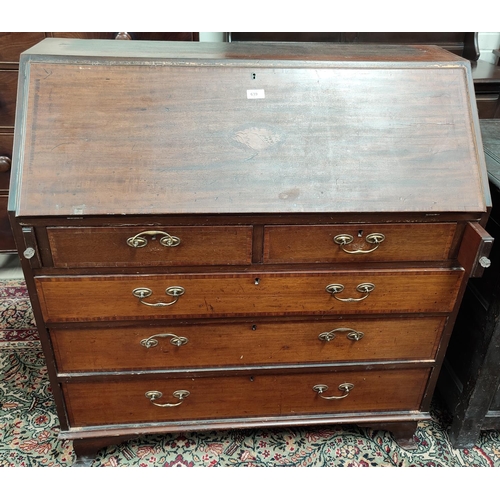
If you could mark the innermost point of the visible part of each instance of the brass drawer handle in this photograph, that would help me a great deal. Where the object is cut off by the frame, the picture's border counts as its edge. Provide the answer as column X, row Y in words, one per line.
column 173, row 291
column 351, row 335
column 345, row 388
column 180, row 395
column 123, row 35
column 175, row 340
column 5, row 163
column 372, row 239
column 365, row 288
column 138, row 241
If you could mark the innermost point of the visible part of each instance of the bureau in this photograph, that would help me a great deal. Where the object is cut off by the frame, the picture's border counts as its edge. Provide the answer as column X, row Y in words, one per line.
column 223, row 236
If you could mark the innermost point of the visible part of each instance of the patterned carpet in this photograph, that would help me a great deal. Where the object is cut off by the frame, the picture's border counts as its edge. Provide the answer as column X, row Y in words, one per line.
column 29, row 425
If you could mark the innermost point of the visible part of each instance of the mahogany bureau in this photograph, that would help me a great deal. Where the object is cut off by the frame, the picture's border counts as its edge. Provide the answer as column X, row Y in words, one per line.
column 223, row 236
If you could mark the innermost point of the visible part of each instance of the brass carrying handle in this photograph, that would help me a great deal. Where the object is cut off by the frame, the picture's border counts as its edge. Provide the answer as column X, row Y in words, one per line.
column 152, row 342
column 138, row 241
column 372, row 239
column 351, row 335
column 346, row 388
column 365, row 288
column 180, row 395
column 173, row 291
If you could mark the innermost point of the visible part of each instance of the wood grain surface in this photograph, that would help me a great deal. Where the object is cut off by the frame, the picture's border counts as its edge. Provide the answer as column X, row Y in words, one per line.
column 114, row 402
column 245, row 343
column 225, row 295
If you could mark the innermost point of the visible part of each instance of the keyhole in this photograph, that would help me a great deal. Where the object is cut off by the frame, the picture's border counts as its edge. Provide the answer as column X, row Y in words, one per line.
column 254, row 76
column 257, row 281
column 254, row 327
column 360, row 233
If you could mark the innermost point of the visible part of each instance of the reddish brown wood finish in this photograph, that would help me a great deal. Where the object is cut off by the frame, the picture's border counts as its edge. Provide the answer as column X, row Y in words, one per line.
column 124, row 35
column 12, row 44
column 478, row 246
column 250, row 343
column 115, row 138
column 6, row 238
column 107, row 247
column 315, row 244
column 199, row 145
column 110, row 297
column 8, row 86
column 117, row 402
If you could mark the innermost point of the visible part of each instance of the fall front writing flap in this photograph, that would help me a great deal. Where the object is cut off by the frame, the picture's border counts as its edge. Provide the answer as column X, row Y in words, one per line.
column 131, row 135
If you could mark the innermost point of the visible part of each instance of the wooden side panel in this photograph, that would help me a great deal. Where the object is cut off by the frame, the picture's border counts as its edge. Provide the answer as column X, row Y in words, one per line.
column 118, row 402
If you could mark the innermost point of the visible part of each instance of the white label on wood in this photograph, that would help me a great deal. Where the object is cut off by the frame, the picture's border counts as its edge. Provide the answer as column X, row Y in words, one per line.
column 256, row 94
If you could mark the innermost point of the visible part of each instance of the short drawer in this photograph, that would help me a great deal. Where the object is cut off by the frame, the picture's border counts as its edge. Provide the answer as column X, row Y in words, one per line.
column 150, row 246
column 112, row 401
column 8, row 95
column 244, row 343
column 96, row 298
column 358, row 243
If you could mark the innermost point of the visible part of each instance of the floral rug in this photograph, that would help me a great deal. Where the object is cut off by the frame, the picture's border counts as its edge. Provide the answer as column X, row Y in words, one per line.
column 29, row 425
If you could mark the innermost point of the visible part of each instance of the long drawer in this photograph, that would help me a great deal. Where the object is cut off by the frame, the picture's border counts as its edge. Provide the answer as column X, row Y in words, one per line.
column 218, row 295
column 358, row 243
column 109, row 402
column 150, row 246
column 244, row 343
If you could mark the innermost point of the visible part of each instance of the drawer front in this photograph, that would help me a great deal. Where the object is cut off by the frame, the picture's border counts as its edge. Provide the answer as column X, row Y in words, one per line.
column 12, row 44
column 249, row 343
column 134, row 247
column 400, row 242
column 120, row 402
column 8, row 93
column 6, row 141
column 7, row 243
column 219, row 295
